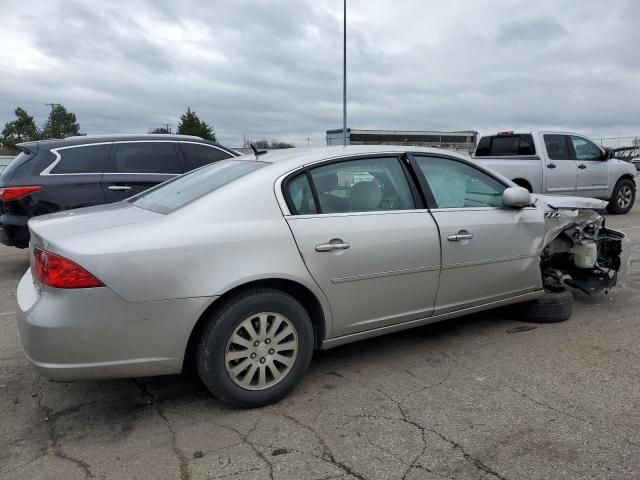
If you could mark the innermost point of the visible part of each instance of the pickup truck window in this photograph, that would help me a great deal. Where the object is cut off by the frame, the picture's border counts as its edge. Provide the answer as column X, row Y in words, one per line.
column 585, row 150
column 458, row 185
column 557, row 147
column 506, row 145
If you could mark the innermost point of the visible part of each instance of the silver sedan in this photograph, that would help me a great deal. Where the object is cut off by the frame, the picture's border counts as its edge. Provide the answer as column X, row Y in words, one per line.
column 248, row 265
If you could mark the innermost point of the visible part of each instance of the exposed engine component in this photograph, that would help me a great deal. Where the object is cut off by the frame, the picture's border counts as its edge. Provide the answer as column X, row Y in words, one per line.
column 580, row 252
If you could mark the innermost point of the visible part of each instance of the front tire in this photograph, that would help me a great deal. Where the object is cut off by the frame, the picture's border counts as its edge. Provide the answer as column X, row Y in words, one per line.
column 255, row 348
column 551, row 308
column 623, row 197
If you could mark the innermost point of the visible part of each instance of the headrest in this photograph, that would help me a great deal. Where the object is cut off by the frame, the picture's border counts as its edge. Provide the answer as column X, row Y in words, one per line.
column 326, row 182
column 365, row 196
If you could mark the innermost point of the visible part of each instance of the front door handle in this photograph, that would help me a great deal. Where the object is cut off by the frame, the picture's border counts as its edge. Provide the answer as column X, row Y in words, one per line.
column 582, row 166
column 119, row 188
column 334, row 244
column 461, row 235
column 551, row 165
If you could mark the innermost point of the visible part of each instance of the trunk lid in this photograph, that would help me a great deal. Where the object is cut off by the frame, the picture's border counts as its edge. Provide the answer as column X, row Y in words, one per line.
column 56, row 226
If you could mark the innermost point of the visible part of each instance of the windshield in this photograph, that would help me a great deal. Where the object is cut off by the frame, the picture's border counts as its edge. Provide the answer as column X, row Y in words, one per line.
column 187, row 188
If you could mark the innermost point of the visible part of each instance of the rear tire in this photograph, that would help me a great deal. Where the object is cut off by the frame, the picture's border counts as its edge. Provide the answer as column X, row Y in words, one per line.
column 623, row 197
column 552, row 307
column 264, row 334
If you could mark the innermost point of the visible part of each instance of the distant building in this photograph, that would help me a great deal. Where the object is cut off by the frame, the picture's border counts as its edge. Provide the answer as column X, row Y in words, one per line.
column 462, row 141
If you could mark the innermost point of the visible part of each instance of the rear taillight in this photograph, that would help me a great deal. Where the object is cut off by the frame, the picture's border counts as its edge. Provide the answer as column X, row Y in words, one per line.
column 15, row 193
column 59, row 272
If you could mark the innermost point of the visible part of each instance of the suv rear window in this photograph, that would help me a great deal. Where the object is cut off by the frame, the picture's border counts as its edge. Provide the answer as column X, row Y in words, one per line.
column 86, row 159
column 502, row 145
column 21, row 158
column 181, row 191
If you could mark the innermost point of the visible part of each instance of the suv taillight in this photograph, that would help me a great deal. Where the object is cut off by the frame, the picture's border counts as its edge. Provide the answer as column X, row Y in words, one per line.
column 15, row 193
column 59, row 272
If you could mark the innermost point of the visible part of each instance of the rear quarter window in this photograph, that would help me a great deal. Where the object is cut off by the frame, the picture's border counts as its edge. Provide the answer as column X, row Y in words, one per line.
column 197, row 155
column 86, row 159
column 175, row 194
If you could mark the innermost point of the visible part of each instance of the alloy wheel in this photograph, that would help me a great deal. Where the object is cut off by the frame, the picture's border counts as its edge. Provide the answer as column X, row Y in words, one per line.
column 261, row 351
column 625, row 195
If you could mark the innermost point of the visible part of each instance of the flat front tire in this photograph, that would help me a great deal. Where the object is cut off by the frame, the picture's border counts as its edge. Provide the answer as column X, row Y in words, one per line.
column 255, row 348
column 623, row 197
column 552, row 307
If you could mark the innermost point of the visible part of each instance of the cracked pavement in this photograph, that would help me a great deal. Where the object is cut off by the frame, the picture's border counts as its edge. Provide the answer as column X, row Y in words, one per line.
column 470, row 398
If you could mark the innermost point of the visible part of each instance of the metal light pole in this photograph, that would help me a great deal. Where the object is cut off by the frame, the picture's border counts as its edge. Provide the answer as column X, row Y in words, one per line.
column 344, row 77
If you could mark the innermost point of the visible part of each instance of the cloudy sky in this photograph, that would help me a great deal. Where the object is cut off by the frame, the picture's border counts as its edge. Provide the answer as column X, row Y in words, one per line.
column 272, row 68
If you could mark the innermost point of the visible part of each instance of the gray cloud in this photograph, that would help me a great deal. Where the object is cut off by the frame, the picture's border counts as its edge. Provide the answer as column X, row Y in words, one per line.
column 273, row 68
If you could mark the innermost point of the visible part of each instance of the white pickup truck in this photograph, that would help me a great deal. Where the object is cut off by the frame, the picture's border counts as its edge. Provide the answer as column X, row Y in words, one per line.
column 560, row 163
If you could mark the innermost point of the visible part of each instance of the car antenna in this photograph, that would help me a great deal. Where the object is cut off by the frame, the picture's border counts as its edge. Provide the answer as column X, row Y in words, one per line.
column 256, row 151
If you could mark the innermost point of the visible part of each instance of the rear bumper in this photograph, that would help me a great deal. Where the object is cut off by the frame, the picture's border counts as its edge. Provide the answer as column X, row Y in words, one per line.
column 14, row 231
column 92, row 333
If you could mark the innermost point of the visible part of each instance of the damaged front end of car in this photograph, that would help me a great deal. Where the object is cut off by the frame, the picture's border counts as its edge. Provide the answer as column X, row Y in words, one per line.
column 578, row 250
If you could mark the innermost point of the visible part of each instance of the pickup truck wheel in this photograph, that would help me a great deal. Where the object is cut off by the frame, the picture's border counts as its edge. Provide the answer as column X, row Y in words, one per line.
column 624, row 194
column 553, row 307
column 255, row 348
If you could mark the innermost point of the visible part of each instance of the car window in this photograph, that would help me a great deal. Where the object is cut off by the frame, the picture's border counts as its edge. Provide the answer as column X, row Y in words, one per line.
column 197, row 155
column 557, row 147
column 144, row 157
column 502, row 145
column 457, row 185
column 362, row 185
column 86, row 159
column 300, row 197
column 585, row 150
column 176, row 193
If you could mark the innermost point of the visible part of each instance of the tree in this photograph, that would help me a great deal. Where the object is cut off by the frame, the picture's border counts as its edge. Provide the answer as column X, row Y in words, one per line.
column 190, row 124
column 161, row 130
column 22, row 129
column 60, row 123
column 274, row 145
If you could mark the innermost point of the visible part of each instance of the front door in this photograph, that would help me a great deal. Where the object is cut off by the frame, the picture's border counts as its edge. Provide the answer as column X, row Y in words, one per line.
column 593, row 170
column 136, row 166
column 372, row 252
column 560, row 172
column 489, row 252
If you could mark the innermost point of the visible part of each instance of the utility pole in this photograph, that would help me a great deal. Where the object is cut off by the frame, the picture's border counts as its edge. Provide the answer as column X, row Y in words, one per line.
column 344, row 76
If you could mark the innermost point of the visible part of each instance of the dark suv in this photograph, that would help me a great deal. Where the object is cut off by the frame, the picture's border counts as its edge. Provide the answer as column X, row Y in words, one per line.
column 52, row 175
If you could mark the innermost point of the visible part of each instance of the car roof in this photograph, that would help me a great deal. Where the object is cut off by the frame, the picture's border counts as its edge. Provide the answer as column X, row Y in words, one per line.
column 297, row 157
column 89, row 139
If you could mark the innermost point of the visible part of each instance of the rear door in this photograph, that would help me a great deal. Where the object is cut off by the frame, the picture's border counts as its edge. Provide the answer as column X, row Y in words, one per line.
column 73, row 179
column 560, row 172
column 135, row 166
column 197, row 155
column 366, row 240
column 593, row 170
column 489, row 252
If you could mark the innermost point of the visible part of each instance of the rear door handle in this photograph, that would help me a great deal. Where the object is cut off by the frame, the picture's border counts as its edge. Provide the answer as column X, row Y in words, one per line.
column 335, row 244
column 582, row 166
column 461, row 235
column 551, row 165
column 119, row 188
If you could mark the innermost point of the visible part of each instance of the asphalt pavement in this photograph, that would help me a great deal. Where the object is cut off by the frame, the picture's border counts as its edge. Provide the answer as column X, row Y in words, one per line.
column 480, row 397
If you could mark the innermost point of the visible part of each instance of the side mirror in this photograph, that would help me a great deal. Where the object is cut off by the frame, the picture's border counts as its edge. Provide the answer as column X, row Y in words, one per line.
column 611, row 154
column 516, row 197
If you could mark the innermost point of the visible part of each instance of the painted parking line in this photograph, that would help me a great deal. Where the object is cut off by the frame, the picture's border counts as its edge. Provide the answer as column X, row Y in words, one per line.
column 4, row 314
